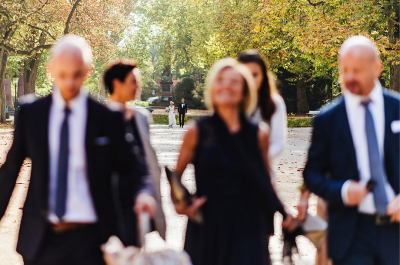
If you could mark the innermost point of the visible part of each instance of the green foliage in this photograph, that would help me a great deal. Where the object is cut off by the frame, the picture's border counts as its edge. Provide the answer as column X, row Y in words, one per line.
column 198, row 96
column 43, row 80
column 163, row 118
column 148, row 89
column 184, row 89
column 291, row 122
column 142, row 103
column 299, row 122
column 297, row 36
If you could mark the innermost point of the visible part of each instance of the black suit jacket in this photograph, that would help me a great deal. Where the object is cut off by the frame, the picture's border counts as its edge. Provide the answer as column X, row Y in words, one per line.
column 111, row 154
column 332, row 161
column 182, row 110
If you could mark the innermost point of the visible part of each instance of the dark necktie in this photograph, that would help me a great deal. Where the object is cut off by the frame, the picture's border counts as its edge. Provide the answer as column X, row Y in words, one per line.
column 62, row 171
column 377, row 171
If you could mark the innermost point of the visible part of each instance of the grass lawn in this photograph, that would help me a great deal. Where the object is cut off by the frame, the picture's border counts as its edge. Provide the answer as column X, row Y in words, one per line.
column 291, row 122
column 6, row 126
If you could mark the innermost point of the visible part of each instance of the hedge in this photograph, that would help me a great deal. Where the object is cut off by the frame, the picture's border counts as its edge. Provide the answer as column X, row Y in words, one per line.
column 163, row 119
column 291, row 122
column 299, row 122
column 138, row 103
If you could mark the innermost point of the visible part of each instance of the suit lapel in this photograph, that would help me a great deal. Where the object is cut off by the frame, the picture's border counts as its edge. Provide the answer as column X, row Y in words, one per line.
column 389, row 141
column 388, row 120
column 43, row 130
column 89, row 137
column 141, row 128
column 346, row 136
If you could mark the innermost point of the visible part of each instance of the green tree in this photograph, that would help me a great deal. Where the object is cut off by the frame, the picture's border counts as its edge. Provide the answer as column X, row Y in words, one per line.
column 184, row 89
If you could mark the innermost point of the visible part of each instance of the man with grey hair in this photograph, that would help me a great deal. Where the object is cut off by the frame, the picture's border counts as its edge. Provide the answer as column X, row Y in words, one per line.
column 76, row 147
column 353, row 162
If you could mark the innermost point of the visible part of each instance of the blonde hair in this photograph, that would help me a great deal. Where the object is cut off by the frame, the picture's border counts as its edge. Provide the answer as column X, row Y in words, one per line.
column 250, row 93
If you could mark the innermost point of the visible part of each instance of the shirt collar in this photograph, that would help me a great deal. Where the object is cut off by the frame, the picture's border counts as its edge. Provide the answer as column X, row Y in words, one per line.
column 375, row 96
column 129, row 112
column 115, row 106
column 73, row 104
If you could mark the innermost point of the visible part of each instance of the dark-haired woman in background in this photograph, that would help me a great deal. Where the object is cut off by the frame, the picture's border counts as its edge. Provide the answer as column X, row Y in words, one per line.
column 270, row 109
column 122, row 80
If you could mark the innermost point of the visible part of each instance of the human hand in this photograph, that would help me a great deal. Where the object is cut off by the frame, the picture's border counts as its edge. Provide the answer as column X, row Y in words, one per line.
column 289, row 223
column 393, row 209
column 302, row 208
column 356, row 193
column 145, row 203
column 190, row 210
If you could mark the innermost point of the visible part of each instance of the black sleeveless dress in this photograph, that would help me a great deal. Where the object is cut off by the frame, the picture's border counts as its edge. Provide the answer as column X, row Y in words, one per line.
column 230, row 171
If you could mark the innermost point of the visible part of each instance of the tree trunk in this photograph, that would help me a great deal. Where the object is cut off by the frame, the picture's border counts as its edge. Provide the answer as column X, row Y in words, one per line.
column 101, row 89
column 3, row 64
column 302, row 104
column 395, row 76
column 393, row 34
column 31, row 66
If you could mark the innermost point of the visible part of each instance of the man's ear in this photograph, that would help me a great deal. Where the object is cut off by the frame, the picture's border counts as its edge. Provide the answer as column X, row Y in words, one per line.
column 88, row 70
column 116, row 83
column 49, row 67
column 378, row 69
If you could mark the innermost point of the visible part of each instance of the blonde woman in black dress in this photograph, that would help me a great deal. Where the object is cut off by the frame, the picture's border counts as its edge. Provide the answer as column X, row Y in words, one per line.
column 234, row 192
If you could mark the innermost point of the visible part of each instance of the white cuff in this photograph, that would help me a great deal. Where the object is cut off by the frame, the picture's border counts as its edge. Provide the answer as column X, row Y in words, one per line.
column 345, row 187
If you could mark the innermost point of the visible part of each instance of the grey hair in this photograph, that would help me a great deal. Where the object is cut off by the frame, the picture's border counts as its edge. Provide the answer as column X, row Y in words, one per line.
column 357, row 42
column 72, row 42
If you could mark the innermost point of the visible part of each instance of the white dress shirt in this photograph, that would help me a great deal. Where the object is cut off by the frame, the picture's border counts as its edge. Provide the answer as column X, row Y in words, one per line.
column 79, row 203
column 277, row 137
column 278, row 126
column 356, row 116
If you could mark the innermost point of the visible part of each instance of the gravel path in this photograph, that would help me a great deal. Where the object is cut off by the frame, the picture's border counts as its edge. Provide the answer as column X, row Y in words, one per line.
column 167, row 143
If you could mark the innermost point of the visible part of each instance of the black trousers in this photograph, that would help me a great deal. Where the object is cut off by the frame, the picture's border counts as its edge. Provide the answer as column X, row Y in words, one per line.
column 181, row 119
column 373, row 244
column 76, row 247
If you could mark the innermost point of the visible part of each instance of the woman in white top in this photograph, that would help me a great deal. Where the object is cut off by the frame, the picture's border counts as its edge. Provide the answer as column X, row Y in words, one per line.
column 270, row 109
column 271, row 106
column 171, row 114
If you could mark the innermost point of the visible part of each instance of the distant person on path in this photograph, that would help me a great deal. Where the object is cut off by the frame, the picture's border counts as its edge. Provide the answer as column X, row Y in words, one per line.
column 234, row 192
column 75, row 145
column 182, row 110
column 353, row 162
column 122, row 80
column 171, row 115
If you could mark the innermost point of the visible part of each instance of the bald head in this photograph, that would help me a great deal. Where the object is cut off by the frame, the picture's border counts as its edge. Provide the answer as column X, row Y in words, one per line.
column 72, row 45
column 70, row 62
column 359, row 45
column 359, row 64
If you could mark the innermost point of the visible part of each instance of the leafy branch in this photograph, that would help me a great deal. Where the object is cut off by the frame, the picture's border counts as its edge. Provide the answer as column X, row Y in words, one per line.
column 71, row 14
column 25, row 52
column 315, row 4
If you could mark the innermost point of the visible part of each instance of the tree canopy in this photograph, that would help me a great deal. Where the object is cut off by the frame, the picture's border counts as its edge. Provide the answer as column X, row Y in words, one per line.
column 299, row 38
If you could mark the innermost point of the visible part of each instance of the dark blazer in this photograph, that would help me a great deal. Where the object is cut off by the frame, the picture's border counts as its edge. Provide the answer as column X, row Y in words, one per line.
column 332, row 161
column 106, row 151
column 182, row 110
